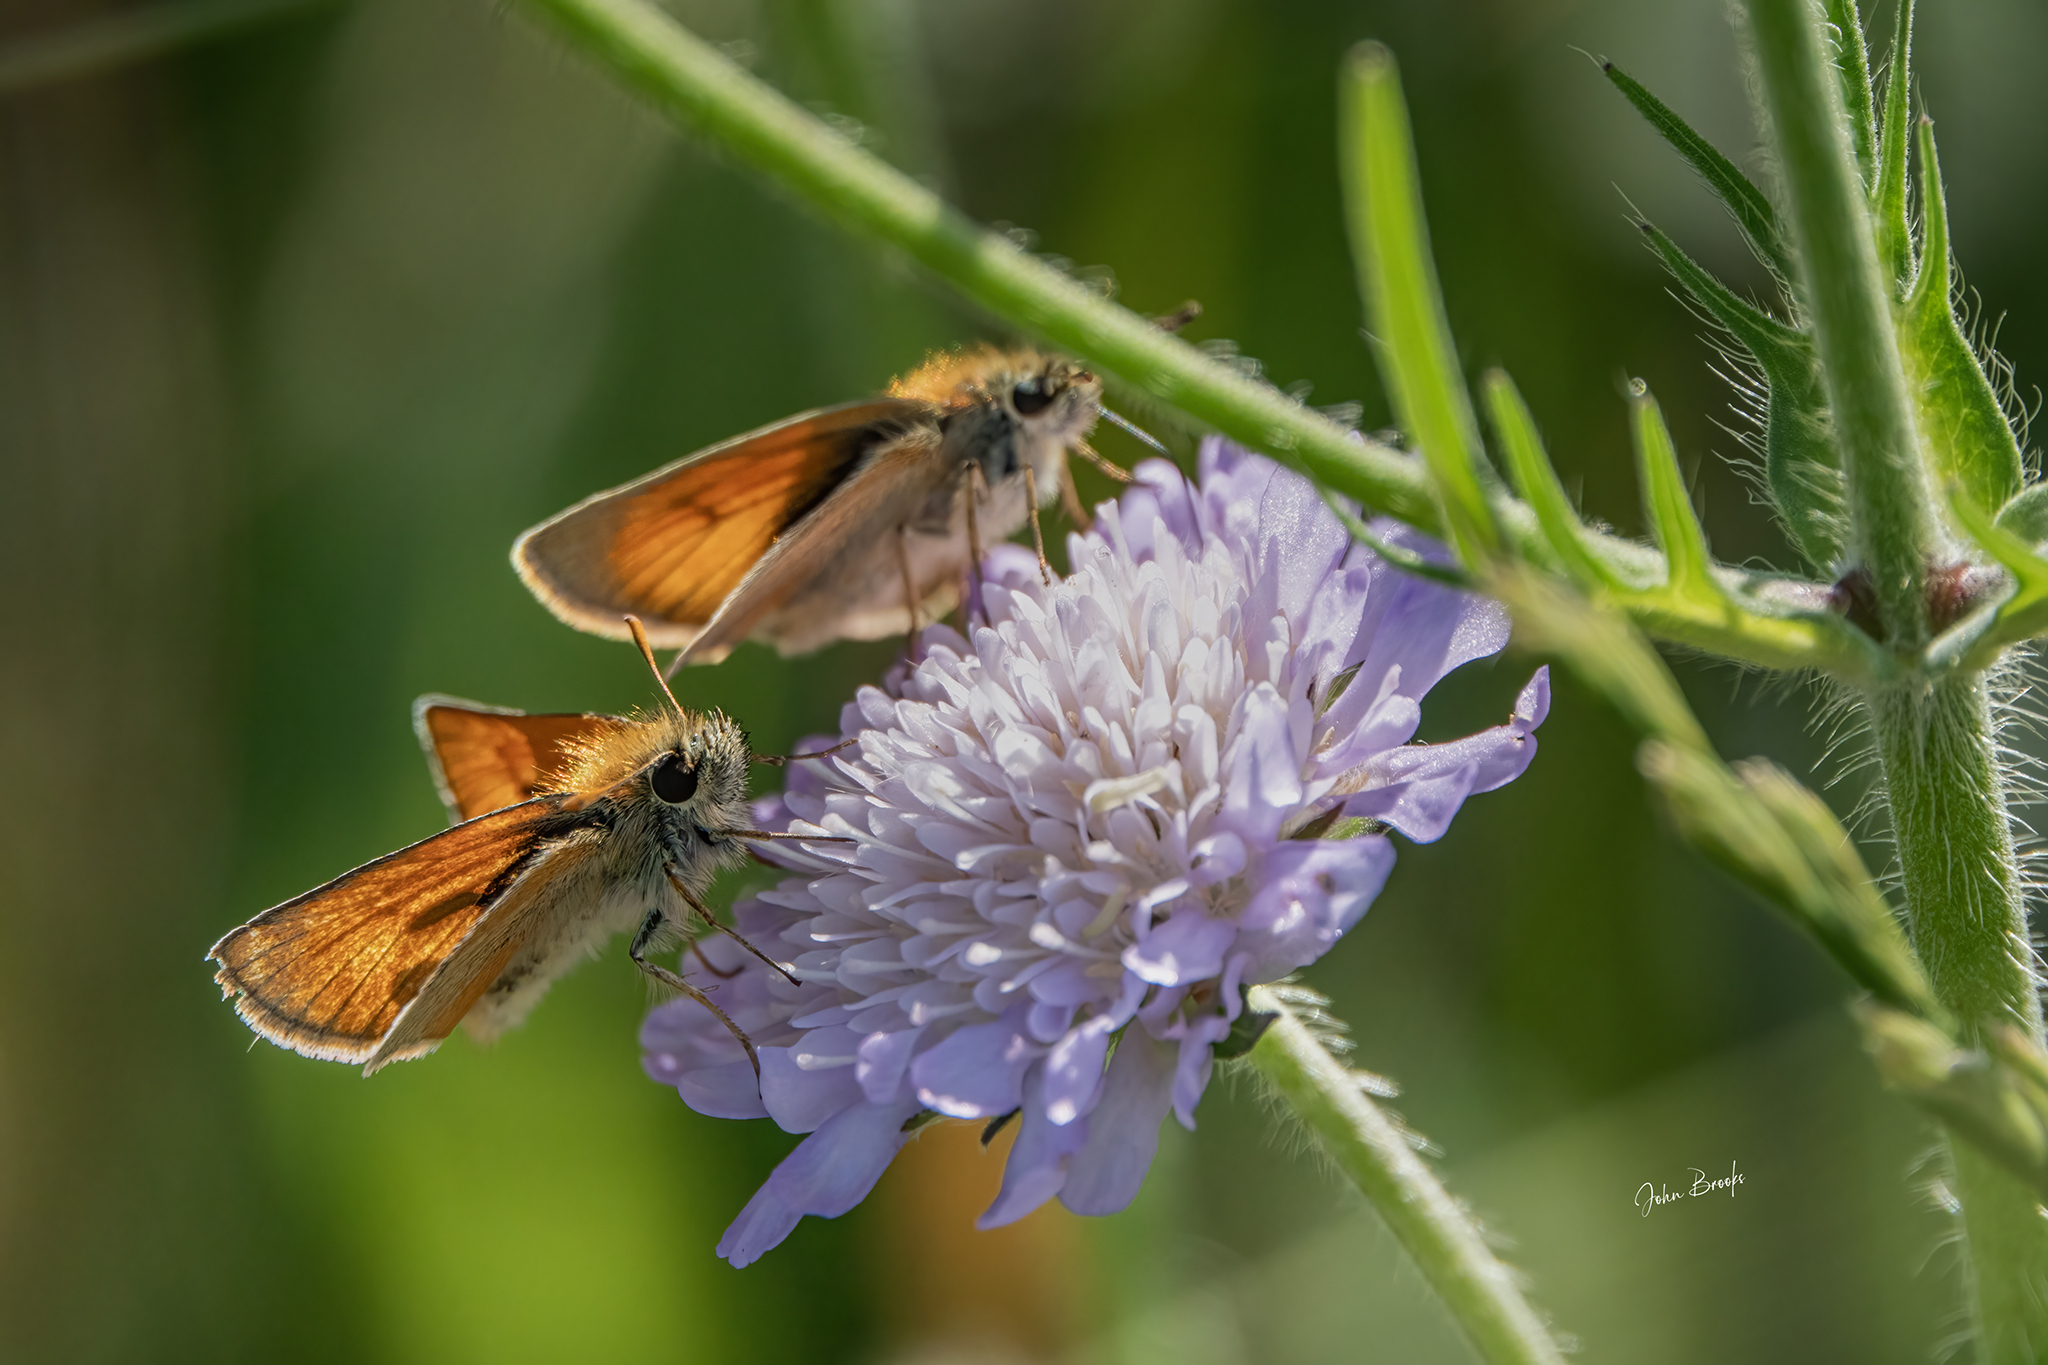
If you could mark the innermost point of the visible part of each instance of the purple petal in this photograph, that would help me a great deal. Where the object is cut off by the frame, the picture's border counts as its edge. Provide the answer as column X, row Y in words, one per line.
column 1123, row 1129
column 1263, row 786
column 1216, row 859
column 829, row 1172
column 1388, row 725
column 883, row 1059
column 799, row 1098
column 1425, row 630
column 1187, row 948
column 977, row 1072
column 1424, row 784
column 1197, row 1060
column 731, row 1091
column 1038, row 1163
column 1300, row 541
column 1420, row 807
column 1073, row 1070
column 1311, row 891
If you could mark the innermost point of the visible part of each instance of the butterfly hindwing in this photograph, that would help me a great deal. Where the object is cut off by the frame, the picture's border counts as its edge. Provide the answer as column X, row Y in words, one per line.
column 486, row 757
column 826, row 553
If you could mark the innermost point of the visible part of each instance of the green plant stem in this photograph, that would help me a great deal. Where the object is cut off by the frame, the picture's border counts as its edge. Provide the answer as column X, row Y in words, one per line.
column 1935, row 739
column 696, row 83
column 1441, row 1237
column 1845, row 293
column 1968, row 920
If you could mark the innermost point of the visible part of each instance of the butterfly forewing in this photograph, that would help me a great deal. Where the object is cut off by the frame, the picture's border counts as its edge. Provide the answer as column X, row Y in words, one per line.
column 670, row 547
column 485, row 757
column 328, row 973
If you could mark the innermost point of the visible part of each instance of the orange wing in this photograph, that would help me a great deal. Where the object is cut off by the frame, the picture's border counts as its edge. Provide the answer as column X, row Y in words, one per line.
column 487, row 757
column 873, row 500
column 327, row 974
column 671, row 546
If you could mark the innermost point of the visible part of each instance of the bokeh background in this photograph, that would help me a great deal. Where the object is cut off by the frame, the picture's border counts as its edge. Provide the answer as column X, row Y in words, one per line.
column 301, row 324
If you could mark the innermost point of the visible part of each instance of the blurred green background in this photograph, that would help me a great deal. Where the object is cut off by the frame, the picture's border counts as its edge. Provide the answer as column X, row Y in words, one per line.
column 301, row 325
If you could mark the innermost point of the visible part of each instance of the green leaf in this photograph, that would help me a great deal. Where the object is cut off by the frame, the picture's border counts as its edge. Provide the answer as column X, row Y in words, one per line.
column 1852, row 65
column 1801, row 468
column 1962, row 427
column 2026, row 516
column 1533, row 476
column 1888, row 199
column 1667, row 502
column 1390, row 250
column 1753, row 212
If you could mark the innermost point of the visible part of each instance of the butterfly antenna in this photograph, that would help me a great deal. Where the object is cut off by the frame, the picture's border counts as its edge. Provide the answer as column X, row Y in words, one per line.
column 1143, row 436
column 781, row 760
column 647, row 653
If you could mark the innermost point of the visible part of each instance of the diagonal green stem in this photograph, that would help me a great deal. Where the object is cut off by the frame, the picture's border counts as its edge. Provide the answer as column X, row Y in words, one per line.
column 1373, row 1150
column 694, row 82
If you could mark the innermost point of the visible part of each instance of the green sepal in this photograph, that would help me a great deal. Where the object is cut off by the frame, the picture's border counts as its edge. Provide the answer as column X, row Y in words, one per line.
column 1752, row 210
column 1533, row 476
column 1245, row 1032
column 2026, row 516
column 1962, row 427
column 1852, row 67
column 1802, row 470
column 1888, row 196
column 1668, row 503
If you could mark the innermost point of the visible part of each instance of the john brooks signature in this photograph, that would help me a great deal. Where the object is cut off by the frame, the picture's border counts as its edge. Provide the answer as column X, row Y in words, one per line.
column 1650, row 1194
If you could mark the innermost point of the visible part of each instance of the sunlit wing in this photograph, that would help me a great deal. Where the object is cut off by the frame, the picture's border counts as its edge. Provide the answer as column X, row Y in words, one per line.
column 882, row 495
column 460, row 981
column 486, row 757
column 327, row 974
column 670, row 547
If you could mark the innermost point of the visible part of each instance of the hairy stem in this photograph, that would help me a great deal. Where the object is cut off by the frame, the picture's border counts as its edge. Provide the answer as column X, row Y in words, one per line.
column 1936, row 739
column 1891, row 531
column 1434, row 1229
column 1968, row 919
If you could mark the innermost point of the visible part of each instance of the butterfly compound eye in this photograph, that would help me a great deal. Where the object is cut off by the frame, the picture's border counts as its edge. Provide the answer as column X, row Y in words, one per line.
column 1030, row 398
column 674, row 780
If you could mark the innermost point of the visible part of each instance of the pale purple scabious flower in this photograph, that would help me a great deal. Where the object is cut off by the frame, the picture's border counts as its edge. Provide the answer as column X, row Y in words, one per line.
column 1075, row 843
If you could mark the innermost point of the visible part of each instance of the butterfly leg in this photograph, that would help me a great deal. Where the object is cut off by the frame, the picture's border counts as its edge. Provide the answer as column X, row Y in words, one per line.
column 1107, row 466
column 977, row 489
column 909, row 589
column 697, row 951
column 1070, row 498
column 1037, row 531
column 712, row 920
column 649, row 927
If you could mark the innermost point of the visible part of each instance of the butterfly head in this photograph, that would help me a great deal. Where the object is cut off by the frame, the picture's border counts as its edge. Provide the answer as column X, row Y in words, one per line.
column 1006, row 410
column 677, row 774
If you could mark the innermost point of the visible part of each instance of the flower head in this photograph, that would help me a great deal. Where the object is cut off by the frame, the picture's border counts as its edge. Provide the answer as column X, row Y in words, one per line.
column 1081, row 834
